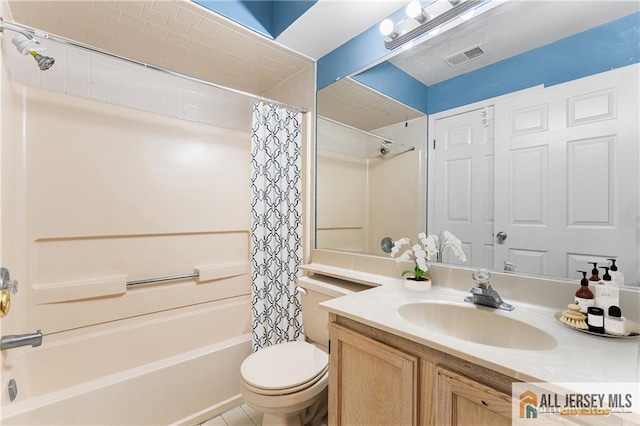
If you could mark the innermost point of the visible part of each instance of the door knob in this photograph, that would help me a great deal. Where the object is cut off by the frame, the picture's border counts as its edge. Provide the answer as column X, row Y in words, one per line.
column 501, row 236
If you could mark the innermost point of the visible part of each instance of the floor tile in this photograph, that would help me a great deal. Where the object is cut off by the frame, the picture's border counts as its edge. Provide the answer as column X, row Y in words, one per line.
column 257, row 418
column 216, row 421
column 236, row 414
column 250, row 411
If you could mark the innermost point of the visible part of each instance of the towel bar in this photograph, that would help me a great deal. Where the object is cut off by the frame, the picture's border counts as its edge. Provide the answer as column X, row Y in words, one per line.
column 161, row 279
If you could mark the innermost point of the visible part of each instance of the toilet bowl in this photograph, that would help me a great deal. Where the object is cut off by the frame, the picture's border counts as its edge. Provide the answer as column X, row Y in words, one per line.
column 287, row 382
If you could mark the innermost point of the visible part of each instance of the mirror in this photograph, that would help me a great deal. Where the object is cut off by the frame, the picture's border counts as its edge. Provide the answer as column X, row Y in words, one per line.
column 362, row 197
column 370, row 169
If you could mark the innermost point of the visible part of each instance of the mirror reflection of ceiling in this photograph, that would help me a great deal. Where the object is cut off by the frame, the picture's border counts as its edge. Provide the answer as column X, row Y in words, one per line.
column 352, row 103
column 509, row 29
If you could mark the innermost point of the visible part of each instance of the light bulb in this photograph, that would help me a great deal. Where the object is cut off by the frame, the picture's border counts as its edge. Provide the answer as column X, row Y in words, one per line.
column 414, row 11
column 387, row 28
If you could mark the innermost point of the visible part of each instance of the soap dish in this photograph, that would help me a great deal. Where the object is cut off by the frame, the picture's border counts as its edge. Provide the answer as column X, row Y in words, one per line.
column 632, row 328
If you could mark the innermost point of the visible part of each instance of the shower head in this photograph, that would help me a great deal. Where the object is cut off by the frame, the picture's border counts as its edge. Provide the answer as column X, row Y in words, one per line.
column 44, row 62
column 27, row 45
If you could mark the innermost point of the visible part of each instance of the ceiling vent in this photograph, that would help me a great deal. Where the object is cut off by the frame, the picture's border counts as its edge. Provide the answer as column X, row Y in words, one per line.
column 460, row 58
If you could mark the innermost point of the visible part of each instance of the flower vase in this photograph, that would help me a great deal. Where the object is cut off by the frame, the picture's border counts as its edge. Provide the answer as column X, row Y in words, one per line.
column 420, row 285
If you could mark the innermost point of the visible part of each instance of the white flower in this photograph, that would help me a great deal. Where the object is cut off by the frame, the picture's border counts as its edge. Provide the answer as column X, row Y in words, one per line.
column 397, row 244
column 429, row 247
column 422, row 263
column 406, row 256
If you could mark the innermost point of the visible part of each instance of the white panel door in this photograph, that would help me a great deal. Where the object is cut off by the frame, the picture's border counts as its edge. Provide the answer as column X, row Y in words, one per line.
column 463, row 187
column 566, row 190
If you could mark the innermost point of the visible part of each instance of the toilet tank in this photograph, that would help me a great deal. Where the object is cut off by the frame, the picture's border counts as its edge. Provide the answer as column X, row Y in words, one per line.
column 318, row 289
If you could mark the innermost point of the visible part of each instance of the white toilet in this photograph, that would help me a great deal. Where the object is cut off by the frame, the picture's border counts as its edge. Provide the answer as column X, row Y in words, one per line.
column 287, row 382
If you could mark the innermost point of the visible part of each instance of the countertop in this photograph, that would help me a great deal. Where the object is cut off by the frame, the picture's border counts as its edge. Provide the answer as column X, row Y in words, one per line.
column 578, row 357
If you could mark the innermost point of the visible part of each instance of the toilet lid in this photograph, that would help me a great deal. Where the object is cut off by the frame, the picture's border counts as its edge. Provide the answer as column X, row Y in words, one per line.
column 284, row 365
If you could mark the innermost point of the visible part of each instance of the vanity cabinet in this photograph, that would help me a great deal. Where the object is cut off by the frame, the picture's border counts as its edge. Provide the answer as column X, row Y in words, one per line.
column 377, row 383
column 378, row 378
column 463, row 401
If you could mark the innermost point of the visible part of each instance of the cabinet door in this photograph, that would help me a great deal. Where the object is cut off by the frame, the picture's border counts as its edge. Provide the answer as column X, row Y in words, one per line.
column 462, row 401
column 370, row 383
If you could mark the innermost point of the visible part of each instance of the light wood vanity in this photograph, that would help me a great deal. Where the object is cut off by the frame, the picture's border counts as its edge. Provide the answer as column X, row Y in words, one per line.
column 386, row 370
column 377, row 378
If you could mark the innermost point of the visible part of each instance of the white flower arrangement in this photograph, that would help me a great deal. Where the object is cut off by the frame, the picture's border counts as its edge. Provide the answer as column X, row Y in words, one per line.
column 428, row 248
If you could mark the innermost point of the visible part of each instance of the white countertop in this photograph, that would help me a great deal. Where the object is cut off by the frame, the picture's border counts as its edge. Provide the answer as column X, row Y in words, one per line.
column 578, row 357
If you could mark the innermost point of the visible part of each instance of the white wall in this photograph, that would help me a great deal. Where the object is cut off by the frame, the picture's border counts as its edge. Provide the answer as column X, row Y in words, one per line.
column 365, row 196
column 94, row 76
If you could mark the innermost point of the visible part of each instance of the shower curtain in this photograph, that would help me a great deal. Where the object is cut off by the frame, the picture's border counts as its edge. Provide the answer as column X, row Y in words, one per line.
column 276, row 228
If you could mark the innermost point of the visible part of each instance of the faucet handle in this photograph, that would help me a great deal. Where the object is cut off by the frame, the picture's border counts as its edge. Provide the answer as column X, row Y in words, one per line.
column 481, row 277
column 6, row 283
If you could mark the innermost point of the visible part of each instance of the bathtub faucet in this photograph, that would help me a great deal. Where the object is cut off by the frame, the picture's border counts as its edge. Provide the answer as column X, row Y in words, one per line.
column 17, row 340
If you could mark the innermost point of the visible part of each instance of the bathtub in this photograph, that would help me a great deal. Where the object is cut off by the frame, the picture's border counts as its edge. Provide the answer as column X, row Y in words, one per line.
column 165, row 368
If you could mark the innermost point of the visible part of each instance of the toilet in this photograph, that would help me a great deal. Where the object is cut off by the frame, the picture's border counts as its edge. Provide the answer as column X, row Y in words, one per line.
column 287, row 382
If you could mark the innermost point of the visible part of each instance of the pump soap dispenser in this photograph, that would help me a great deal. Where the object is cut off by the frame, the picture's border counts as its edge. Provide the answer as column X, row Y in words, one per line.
column 607, row 293
column 584, row 296
column 594, row 273
column 616, row 276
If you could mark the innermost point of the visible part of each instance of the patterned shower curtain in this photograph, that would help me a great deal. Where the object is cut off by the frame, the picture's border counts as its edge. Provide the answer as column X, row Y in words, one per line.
column 276, row 228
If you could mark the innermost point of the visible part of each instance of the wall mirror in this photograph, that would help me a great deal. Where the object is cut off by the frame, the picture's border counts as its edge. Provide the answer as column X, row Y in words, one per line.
column 371, row 180
column 363, row 197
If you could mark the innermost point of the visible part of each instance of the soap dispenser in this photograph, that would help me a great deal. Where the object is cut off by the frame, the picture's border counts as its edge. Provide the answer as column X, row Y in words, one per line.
column 616, row 276
column 584, row 296
column 607, row 293
column 594, row 273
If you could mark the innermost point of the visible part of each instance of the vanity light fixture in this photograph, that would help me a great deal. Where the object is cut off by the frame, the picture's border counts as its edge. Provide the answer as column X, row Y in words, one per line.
column 419, row 21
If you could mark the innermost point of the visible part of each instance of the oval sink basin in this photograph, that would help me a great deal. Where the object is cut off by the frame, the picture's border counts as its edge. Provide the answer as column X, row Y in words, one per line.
column 477, row 324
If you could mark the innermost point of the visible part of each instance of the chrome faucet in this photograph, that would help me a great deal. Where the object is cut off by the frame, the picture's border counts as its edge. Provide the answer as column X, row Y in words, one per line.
column 483, row 294
column 17, row 340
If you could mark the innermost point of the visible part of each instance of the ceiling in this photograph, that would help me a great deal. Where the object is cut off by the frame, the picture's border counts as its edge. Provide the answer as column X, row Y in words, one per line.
column 184, row 37
column 352, row 103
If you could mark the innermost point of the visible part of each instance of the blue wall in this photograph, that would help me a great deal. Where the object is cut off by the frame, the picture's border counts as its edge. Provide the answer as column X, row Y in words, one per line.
column 267, row 17
column 599, row 49
column 612, row 45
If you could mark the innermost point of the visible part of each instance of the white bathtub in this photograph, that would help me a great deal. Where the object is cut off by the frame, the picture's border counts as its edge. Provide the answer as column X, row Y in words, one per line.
column 163, row 369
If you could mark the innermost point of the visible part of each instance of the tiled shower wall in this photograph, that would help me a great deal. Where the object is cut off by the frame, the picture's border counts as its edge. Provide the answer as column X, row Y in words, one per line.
column 83, row 73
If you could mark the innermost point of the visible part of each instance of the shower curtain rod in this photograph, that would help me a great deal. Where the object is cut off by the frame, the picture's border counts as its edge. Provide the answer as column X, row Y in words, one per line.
column 409, row 148
column 31, row 32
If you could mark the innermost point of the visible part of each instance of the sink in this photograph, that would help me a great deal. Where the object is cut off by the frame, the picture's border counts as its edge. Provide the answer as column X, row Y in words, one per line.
column 477, row 324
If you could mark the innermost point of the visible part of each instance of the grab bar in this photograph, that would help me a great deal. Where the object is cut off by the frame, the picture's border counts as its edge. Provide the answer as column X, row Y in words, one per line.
column 161, row 279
